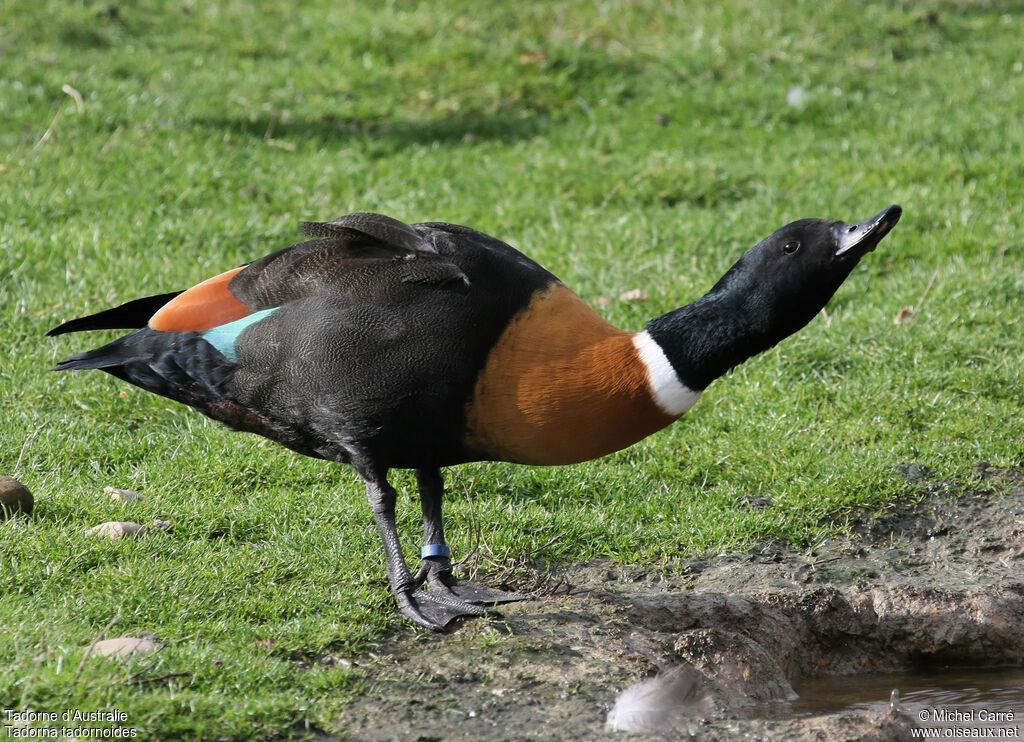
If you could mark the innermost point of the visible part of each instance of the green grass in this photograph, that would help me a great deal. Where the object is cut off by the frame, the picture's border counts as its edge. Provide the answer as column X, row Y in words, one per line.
column 623, row 145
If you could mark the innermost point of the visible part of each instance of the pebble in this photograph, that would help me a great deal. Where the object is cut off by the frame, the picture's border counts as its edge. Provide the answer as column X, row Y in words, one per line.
column 115, row 529
column 116, row 493
column 14, row 498
column 122, row 647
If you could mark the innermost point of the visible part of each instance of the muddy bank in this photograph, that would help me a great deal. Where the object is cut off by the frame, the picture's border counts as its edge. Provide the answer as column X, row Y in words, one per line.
column 933, row 585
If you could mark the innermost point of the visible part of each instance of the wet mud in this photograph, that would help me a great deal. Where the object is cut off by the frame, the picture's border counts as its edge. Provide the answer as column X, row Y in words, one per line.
column 725, row 638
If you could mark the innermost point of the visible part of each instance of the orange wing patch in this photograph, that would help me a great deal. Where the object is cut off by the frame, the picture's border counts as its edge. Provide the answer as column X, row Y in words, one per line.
column 561, row 385
column 205, row 305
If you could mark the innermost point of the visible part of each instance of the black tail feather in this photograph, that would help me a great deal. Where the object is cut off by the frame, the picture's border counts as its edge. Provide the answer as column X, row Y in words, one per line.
column 105, row 357
column 128, row 316
column 178, row 365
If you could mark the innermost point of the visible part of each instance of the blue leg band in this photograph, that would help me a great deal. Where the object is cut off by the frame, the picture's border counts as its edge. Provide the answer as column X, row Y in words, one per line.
column 435, row 550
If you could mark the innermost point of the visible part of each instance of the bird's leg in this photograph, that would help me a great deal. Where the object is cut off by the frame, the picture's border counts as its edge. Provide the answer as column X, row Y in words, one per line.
column 432, row 611
column 435, row 553
column 436, row 569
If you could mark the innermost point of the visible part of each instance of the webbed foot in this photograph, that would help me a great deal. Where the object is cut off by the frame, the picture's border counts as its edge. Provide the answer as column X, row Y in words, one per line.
column 435, row 610
column 438, row 576
column 473, row 592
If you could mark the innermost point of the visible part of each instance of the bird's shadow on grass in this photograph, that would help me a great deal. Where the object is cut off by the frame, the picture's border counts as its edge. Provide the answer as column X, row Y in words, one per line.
column 391, row 133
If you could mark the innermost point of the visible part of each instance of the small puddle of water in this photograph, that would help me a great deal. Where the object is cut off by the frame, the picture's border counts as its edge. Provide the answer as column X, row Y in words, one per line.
column 949, row 698
column 957, row 703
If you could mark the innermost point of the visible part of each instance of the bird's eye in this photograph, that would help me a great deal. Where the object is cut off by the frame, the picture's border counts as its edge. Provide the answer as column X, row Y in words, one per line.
column 791, row 247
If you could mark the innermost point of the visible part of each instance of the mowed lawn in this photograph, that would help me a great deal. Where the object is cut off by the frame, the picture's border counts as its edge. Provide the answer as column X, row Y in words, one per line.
column 147, row 145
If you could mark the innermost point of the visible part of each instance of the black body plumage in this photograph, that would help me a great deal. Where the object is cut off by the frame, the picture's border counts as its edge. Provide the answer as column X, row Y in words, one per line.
column 372, row 351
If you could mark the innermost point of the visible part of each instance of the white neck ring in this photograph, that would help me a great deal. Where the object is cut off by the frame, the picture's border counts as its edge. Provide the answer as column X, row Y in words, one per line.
column 668, row 392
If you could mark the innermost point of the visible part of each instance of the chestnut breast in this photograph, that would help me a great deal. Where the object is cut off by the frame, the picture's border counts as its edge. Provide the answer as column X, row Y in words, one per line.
column 560, row 386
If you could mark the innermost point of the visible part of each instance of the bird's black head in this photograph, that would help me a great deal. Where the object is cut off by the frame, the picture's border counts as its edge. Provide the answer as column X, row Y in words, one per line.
column 777, row 287
column 786, row 279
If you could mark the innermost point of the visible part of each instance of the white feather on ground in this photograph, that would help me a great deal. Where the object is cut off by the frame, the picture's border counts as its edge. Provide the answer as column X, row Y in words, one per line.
column 656, row 704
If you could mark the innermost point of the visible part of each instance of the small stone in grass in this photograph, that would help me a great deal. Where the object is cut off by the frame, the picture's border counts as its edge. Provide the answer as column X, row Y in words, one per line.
column 115, row 529
column 14, row 498
column 633, row 295
column 122, row 647
column 116, row 493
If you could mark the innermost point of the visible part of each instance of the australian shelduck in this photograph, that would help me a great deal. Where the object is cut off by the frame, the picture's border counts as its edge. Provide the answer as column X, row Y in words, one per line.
column 386, row 345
